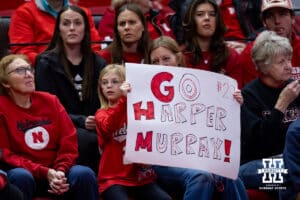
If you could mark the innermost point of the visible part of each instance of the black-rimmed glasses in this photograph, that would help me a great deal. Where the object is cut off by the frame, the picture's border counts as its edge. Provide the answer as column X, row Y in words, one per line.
column 22, row 70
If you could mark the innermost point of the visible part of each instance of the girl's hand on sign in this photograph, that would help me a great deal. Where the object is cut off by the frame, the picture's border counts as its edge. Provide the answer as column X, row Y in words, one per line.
column 237, row 95
column 125, row 88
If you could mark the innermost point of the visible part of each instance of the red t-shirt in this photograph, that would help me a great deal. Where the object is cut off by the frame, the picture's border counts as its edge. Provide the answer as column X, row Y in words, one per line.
column 112, row 130
column 127, row 57
column 231, row 68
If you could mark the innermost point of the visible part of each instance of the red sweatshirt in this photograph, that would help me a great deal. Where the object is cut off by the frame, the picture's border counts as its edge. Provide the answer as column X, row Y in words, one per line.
column 127, row 57
column 248, row 67
column 29, row 24
column 231, row 68
column 37, row 138
column 112, row 130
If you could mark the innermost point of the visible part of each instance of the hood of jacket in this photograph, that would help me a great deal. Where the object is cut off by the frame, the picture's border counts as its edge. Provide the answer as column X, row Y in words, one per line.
column 45, row 6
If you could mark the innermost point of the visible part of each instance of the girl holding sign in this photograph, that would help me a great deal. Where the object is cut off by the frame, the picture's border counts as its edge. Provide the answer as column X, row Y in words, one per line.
column 195, row 183
column 116, row 180
column 205, row 48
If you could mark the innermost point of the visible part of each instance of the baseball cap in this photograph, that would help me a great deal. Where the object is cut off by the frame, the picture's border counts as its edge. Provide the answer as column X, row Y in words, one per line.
column 267, row 4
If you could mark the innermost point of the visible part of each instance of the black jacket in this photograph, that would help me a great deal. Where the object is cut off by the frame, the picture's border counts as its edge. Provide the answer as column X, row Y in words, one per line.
column 263, row 128
column 50, row 76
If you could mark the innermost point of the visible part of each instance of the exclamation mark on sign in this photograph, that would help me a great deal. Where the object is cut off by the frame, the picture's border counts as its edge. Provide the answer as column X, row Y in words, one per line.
column 227, row 146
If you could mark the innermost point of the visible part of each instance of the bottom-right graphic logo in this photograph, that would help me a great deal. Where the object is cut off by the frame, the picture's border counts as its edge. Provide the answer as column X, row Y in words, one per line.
column 273, row 170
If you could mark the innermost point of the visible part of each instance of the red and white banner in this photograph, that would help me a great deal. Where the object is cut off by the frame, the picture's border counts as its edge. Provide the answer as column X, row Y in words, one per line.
column 182, row 117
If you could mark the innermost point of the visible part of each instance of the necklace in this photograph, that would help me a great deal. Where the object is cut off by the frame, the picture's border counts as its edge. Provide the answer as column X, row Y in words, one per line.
column 206, row 57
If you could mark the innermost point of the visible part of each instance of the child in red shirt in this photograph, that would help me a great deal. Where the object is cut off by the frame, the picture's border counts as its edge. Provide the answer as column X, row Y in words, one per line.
column 115, row 179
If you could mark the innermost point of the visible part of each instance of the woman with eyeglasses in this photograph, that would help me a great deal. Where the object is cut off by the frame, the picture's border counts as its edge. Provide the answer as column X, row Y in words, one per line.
column 38, row 140
column 117, row 180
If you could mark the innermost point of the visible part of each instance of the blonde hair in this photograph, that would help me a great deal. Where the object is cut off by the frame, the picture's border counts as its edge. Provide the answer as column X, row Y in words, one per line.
column 4, row 63
column 111, row 68
column 170, row 44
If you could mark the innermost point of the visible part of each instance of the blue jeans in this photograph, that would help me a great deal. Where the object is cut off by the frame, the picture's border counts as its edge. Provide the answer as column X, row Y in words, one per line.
column 197, row 184
column 291, row 155
column 88, row 149
column 82, row 180
column 248, row 173
column 145, row 192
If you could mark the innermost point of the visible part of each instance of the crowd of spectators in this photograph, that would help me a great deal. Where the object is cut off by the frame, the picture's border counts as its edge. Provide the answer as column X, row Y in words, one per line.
column 58, row 144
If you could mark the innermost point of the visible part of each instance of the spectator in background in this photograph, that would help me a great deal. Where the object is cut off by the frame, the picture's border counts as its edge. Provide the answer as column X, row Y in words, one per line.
column 116, row 179
column 165, row 51
column 296, row 24
column 157, row 19
column 70, row 70
column 38, row 139
column 278, row 16
column 7, row 190
column 241, row 17
column 242, row 22
column 194, row 184
column 204, row 39
column 106, row 24
column 34, row 21
column 271, row 103
column 131, row 38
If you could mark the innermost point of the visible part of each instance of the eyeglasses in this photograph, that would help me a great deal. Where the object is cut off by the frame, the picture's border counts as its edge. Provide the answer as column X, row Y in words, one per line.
column 22, row 70
column 105, row 83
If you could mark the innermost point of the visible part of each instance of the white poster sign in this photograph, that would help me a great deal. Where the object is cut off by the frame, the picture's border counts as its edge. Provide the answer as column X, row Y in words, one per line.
column 182, row 117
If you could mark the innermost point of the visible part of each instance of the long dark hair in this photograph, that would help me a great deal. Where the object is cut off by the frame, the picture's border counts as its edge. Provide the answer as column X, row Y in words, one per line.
column 116, row 46
column 217, row 45
column 56, row 45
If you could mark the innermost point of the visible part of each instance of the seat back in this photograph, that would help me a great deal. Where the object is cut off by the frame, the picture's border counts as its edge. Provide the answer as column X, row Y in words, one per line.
column 4, row 40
